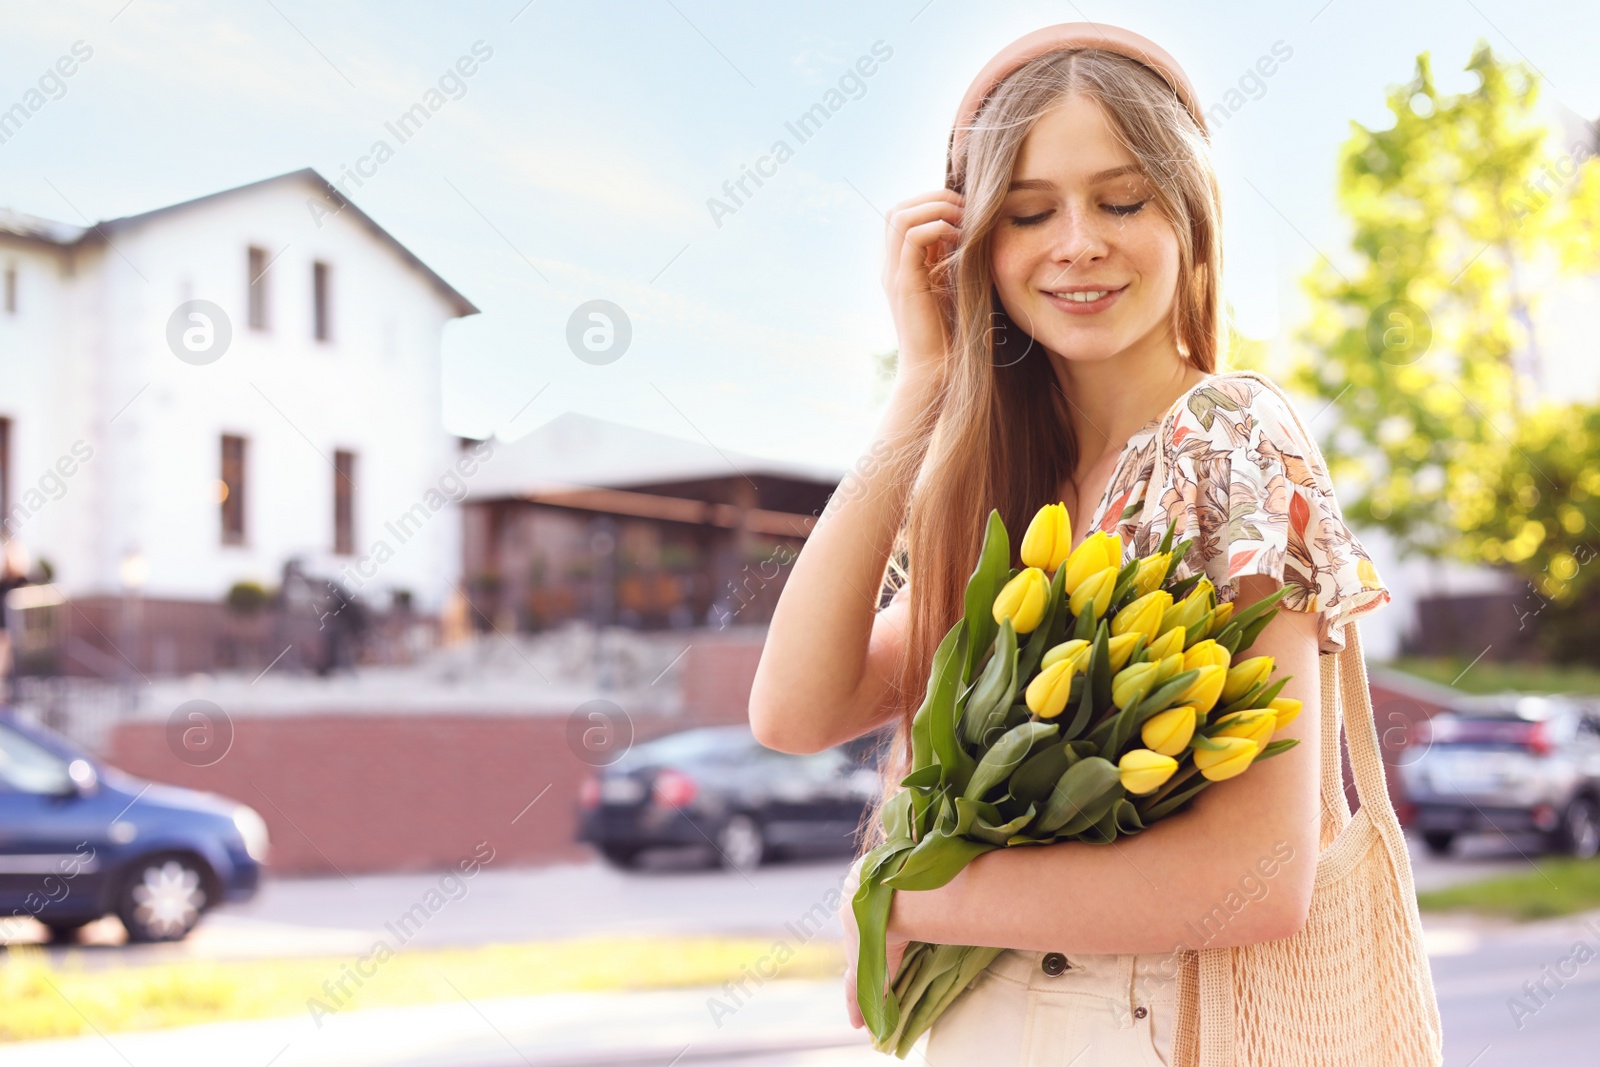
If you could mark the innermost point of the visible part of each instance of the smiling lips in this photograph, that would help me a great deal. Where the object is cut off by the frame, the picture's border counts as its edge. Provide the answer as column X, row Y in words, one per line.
column 1083, row 299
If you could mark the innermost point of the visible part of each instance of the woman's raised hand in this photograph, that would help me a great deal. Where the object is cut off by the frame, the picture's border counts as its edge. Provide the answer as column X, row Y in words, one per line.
column 920, row 232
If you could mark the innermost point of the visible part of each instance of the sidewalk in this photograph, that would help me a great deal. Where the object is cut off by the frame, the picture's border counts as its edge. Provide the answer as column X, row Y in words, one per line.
column 559, row 1030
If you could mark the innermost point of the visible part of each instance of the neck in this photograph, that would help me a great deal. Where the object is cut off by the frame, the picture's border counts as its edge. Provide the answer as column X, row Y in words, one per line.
column 1113, row 398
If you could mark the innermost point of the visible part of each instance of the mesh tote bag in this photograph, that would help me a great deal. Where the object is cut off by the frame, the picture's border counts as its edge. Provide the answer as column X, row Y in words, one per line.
column 1352, row 988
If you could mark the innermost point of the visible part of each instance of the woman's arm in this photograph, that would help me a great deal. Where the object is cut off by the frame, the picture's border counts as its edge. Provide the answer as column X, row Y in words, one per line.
column 1235, row 868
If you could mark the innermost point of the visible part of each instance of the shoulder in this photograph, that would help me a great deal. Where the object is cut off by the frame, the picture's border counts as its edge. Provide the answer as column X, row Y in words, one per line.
column 1239, row 420
column 1248, row 483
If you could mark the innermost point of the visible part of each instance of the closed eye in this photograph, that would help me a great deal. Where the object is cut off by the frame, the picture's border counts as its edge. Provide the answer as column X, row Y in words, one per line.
column 1123, row 210
column 1030, row 220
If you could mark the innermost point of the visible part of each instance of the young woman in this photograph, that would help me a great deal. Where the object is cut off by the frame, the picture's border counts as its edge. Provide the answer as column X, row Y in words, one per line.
column 1059, row 314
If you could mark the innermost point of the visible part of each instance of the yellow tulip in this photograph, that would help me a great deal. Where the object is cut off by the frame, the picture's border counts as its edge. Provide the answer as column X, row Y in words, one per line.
column 1152, row 570
column 1047, row 694
column 1166, row 645
column 1095, row 589
column 1143, row 615
column 1049, row 538
column 1286, row 709
column 1133, row 683
column 1256, row 724
column 1204, row 690
column 1220, row 616
column 1189, row 612
column 1097, row 552
column 1169, row 732
column 1075, row 650
column 1245, row 676
column 1023, row 599
column 1170, row 665
column 1121, row 647
column 1205, row 652
column 1144, row 771
column 1235, row 756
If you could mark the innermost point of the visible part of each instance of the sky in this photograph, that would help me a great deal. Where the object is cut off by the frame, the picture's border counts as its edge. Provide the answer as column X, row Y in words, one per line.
column 582, row 160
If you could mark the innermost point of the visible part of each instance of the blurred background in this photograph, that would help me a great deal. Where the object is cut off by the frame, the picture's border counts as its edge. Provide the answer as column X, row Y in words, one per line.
column 409, row 416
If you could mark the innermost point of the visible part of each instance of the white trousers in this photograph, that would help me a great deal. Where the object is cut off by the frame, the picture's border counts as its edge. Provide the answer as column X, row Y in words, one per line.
column 1027, row 1010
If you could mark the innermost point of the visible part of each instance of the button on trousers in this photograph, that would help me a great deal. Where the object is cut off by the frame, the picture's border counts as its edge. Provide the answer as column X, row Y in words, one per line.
column 1026, row 1010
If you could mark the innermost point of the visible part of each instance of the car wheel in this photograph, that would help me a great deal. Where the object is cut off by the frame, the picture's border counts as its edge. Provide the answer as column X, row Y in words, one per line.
column 621, row 856
column 65, row 933
column 162, row 898
column 741, row 844
column 1579, row 833
column 1439, row 842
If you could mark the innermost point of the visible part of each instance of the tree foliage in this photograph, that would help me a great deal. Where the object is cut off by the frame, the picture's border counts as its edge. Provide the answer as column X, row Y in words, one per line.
column 1427, row 343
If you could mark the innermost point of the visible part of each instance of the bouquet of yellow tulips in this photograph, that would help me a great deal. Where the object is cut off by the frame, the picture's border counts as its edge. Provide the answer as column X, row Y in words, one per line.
column 1078, row 699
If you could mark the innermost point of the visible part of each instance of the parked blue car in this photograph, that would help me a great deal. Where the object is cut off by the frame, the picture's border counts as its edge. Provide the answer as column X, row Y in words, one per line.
column 80, row 840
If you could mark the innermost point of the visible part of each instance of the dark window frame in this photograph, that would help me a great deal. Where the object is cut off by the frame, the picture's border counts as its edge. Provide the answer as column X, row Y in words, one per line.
column 344, row 502
column 321, row 301
column 235, row 457
column 258, row 295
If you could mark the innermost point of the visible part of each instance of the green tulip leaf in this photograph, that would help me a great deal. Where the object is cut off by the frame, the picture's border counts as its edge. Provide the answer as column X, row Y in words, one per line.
column 1006, row 756
column 1041, row 771
column 987, row 579
column 1078, row 789
column 1283, row 744
column 936, row 859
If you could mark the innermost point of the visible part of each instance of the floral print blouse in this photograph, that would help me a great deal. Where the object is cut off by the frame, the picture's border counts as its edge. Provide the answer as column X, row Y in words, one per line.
column 1244, row 479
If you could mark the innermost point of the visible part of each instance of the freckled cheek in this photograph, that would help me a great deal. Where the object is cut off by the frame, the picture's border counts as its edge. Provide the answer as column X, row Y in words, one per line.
column 1011, row 263
column 1152, row 251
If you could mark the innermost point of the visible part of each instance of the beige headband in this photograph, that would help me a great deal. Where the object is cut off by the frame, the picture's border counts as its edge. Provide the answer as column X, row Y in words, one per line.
column 1064, row 37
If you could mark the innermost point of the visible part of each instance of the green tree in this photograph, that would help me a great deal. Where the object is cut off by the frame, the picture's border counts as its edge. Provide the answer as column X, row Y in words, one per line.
column 1427, row 346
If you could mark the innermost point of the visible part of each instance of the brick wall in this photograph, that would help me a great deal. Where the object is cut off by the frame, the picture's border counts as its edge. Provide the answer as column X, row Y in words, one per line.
column 718, row 671
column 364, row 792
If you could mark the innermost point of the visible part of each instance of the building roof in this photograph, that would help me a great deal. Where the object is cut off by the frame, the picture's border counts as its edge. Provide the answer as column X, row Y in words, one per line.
column 60, row 233
column 577, row 450
column 34, row 228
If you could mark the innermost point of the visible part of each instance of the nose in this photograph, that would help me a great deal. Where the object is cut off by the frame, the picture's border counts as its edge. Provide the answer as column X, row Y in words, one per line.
column 1078, row 239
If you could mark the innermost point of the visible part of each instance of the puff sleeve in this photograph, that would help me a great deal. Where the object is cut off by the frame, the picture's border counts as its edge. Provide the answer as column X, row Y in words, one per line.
column 1248, row 484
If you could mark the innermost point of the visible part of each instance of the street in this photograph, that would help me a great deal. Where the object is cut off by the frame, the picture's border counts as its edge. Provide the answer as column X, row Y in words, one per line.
column 1479, row 966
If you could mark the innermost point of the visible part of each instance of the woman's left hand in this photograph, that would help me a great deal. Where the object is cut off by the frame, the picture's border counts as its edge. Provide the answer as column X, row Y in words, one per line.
column 896, row 944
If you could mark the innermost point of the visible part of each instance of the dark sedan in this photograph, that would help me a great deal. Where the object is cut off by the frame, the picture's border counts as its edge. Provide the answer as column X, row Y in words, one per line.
column 718, row 789
column 80, row 839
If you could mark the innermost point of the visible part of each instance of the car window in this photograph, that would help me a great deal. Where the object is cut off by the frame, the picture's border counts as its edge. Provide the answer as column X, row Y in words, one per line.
column 710, row 743
column 28, row 767
column 821, row 766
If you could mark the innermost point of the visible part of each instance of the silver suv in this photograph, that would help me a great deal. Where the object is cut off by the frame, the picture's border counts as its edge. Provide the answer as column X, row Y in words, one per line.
column 1509, row 763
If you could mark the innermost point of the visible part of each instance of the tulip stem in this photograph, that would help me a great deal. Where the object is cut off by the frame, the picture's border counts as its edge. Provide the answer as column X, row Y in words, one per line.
column 1171, row 785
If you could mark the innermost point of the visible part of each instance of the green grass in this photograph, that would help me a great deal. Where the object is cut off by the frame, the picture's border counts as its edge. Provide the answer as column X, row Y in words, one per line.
column 45, row 1000
column 1489, row 677
column 1560, row 886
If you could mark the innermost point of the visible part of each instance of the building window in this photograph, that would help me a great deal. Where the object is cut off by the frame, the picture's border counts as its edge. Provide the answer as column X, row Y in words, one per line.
column 231, row 490
column 344, row 502
column 258, row 288
column 11, row 290
column 321, row 313
column 5, row 474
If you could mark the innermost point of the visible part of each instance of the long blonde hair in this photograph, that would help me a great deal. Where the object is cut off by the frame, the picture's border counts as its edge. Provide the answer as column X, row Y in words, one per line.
column 1000, row 437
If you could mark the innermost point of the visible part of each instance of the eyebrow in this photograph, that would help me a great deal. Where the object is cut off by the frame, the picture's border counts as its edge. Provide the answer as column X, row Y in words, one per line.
column 1094, row 179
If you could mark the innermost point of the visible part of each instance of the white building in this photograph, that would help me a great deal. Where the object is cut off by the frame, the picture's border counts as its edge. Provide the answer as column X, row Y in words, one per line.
column 180, row 449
